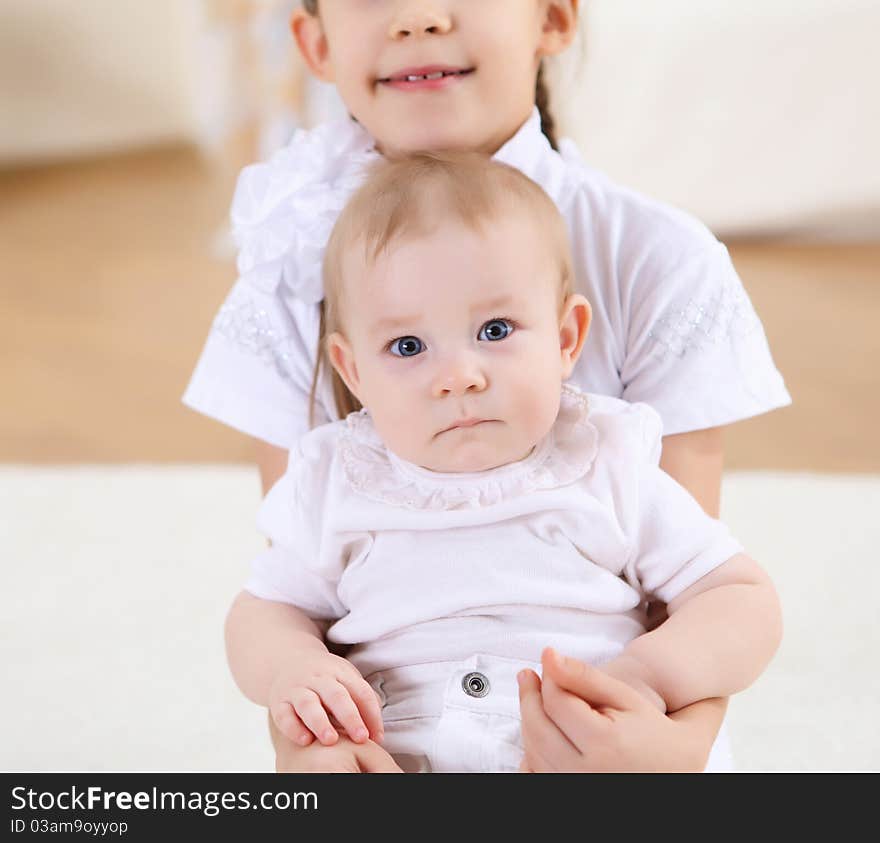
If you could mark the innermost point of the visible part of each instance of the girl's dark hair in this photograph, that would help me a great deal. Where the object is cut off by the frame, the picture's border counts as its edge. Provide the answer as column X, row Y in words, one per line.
column 346, row 402
column 542, row 100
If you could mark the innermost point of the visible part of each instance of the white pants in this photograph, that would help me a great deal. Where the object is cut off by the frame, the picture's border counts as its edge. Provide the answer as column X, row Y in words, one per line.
column 448, row 717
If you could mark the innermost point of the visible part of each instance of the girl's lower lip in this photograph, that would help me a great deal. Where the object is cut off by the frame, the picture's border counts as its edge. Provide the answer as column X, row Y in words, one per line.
column 426, row 84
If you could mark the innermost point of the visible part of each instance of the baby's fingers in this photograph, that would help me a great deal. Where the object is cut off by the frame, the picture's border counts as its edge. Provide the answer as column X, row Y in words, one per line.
column 289, row 724
column 310, row 709
column 368, row 705
column 338, row 701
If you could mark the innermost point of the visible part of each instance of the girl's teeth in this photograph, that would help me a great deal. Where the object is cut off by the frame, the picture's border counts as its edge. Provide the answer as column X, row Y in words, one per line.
column 438, row 75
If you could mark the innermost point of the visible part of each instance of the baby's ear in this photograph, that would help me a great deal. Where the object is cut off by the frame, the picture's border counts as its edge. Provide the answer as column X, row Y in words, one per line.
column 312, row 42
column 341, row 357
column 574, row 325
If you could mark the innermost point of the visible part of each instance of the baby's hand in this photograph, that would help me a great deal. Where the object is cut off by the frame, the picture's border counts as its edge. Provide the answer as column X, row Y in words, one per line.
column 304, row 697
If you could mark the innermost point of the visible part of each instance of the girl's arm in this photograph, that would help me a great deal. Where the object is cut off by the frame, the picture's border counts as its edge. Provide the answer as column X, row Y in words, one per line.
column 695, row 460
column 346, row 756
column 617, row 731
column 272, row 462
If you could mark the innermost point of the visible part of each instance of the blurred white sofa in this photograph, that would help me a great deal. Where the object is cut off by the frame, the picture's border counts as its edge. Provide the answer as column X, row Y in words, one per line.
column 758, row 116
column 92, row 76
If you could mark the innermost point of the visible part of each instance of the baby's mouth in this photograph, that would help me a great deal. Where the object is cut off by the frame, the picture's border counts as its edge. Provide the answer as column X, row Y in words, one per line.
column 466, row 423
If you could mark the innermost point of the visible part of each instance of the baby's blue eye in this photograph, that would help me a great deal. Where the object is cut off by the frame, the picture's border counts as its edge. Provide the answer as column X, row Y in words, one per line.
column 407, row 347
column 495, row 329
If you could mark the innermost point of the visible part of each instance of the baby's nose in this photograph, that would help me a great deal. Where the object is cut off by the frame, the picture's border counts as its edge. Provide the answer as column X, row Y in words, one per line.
column 459, row 377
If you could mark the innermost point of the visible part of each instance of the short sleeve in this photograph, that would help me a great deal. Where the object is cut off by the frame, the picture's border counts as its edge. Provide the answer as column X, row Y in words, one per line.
column 695, row 348
column 296, row 568
column 255, row 372
column 673, row 541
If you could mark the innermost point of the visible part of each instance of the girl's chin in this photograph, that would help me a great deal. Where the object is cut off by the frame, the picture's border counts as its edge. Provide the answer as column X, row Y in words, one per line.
column 431, row 135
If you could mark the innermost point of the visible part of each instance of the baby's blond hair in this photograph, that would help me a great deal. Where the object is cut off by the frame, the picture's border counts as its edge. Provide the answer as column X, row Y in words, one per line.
column 409, row 198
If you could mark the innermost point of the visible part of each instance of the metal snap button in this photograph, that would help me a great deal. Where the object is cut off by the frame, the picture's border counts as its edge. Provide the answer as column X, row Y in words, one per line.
column 475, row 685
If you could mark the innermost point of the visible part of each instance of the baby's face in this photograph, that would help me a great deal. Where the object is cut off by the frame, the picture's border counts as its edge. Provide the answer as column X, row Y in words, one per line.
column 457, row 345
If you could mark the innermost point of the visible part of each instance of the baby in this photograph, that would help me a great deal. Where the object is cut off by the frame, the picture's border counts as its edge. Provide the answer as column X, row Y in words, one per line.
column 477, row 510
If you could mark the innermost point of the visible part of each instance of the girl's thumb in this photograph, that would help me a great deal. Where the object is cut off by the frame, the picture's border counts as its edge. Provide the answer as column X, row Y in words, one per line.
column 589, row 683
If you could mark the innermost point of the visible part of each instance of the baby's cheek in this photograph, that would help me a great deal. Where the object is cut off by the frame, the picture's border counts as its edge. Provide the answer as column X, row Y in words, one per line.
column 538, row 406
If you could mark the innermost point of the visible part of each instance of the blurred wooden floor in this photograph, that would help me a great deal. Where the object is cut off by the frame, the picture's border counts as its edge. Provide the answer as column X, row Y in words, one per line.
column 108, row 287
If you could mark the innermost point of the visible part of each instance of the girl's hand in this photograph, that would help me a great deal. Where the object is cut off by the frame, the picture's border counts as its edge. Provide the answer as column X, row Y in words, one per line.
column 303, row 699
column 345, row 756
column 579, row 719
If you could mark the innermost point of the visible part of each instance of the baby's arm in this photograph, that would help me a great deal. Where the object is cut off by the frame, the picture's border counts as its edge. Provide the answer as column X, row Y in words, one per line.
column 279, row 660
column 721, row 633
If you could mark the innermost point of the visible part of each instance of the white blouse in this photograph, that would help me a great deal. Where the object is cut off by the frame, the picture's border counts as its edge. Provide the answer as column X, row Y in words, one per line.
column 672, row 325
column 559, row 549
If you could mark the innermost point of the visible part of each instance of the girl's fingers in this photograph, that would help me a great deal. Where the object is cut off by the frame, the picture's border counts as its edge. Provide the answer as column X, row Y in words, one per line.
column 547, row 748
column 573, row 716
column 373, row 759
column 590, row 683
column 310, row 709
column 290, row 725
column 368, row 705
column 338, row 701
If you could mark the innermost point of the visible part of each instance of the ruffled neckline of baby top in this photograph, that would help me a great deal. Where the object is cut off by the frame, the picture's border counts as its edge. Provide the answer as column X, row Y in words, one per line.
column 563, row 456
column 284, row 209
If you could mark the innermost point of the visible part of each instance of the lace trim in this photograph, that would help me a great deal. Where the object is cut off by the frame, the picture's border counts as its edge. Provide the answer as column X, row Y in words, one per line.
column 700, row 325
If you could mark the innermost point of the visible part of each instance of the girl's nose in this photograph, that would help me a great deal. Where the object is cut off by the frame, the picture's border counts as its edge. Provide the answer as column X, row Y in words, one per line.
column 420, row 17
column 458, row 377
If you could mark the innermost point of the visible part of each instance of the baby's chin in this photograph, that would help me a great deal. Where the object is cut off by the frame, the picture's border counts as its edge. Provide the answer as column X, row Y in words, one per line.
column 471, row 459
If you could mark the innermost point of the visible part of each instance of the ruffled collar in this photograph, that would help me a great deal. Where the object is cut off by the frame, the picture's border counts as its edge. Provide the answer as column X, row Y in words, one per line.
column 563, row 456
column 284, row 209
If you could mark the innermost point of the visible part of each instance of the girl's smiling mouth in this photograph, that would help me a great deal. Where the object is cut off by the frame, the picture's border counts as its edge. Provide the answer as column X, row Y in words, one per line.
column 430, row 78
